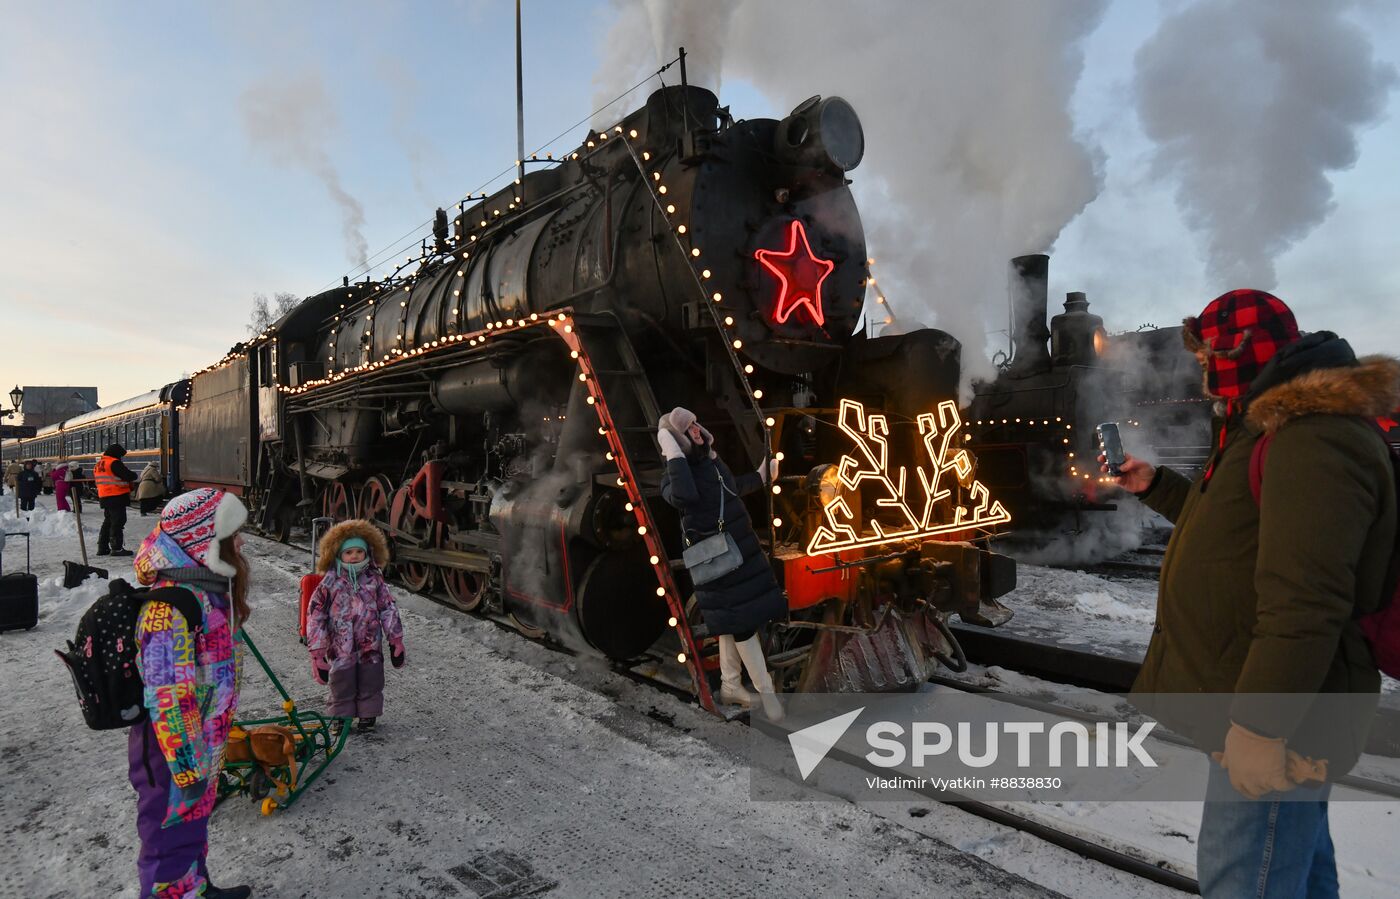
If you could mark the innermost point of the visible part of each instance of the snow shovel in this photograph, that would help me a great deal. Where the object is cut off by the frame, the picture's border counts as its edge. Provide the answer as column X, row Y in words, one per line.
column 74, row 573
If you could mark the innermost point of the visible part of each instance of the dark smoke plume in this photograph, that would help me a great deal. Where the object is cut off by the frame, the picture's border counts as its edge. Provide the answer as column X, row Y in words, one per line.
column 1252, row 103
column 292, row 119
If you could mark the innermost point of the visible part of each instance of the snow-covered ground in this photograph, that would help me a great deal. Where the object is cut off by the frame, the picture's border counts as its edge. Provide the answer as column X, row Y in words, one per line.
column 1084, row 611
column 500, row 761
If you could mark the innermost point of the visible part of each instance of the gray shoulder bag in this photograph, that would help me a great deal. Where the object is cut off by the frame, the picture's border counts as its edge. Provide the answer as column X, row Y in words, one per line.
column 716, row 555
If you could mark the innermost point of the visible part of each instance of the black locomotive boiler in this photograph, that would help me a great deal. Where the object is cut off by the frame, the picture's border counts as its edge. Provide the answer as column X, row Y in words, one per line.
column 492, row 404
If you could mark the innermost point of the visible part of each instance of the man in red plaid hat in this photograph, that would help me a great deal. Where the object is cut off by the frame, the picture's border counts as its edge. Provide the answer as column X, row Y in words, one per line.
column 1262, row 596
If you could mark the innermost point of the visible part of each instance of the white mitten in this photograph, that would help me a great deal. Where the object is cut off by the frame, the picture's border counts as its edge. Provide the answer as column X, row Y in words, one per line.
column 768, row 472
column 670, row 446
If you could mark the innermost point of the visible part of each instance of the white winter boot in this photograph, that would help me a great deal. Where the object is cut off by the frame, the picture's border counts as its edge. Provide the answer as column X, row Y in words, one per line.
column 731, row 675
column 752, row 655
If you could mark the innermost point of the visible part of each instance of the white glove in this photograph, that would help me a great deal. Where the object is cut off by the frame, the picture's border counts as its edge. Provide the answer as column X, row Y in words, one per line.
column 767, row 473
column 670, row 446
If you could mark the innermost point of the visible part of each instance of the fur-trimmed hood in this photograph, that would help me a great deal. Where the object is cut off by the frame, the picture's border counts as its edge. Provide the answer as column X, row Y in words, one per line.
column 329, row 549
column 1370, row 389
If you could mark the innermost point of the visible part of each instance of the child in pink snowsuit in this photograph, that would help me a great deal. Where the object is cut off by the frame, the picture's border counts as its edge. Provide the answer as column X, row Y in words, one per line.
column 347, row 616
column 59, row 476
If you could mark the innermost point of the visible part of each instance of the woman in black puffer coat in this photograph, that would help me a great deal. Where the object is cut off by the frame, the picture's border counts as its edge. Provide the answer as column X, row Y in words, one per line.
column 737, row 604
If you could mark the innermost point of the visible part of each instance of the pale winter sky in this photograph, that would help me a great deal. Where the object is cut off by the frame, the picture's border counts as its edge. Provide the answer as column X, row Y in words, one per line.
column 160, row 163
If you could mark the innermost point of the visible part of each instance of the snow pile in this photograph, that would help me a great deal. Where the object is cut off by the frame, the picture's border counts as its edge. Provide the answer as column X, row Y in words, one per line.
column 40, row 523
column 1103, row 604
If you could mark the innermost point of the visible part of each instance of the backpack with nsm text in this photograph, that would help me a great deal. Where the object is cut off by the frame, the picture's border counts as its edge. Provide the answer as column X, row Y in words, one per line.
column 101, row 658
column 1381, row 627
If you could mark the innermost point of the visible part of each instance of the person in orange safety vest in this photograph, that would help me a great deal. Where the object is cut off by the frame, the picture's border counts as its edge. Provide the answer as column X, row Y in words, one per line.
column 114, row 482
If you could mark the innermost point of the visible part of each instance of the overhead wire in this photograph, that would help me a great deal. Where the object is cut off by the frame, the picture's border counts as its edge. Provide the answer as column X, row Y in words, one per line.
column 398, row 245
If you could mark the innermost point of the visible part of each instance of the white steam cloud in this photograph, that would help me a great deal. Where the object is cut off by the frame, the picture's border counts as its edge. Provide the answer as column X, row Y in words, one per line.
column 292, row 119
column 1252, row 103
column 648, row 33
column 971, row 154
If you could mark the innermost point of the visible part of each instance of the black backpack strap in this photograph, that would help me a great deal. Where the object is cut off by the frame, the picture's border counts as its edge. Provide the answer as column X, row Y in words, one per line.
column 179, row 599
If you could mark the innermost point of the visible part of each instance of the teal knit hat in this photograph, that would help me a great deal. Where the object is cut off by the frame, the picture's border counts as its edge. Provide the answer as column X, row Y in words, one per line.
column 353, row 543
column 352, row 571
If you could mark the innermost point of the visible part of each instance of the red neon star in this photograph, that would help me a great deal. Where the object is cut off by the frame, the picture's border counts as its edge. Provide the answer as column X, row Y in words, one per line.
column 800, row 275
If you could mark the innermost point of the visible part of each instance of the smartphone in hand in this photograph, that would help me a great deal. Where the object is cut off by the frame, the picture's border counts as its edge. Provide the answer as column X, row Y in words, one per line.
column 1112, row 445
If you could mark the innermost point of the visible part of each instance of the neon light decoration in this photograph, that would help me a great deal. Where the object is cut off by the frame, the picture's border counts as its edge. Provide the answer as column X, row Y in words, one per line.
column 868, row 465
column 800, row 274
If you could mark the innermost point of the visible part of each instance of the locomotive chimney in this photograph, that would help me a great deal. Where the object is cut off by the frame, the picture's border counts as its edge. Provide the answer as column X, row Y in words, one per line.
column 440, row 230
column 1029, row 300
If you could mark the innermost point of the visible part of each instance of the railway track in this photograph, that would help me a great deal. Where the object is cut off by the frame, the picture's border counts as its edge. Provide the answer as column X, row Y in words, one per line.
column 1362, row 784
column 1058, row 664
column 1137, row 866
column 1106, row 674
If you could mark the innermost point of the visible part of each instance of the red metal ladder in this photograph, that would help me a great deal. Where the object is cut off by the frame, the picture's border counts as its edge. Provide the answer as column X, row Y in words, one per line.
column 627, row 413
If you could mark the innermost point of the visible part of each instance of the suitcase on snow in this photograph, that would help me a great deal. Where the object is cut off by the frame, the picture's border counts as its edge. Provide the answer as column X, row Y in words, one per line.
column 309, row 582
column 19, row 593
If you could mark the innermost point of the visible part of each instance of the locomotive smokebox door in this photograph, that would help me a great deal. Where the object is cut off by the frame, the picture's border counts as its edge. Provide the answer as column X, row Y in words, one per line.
column 977, row 578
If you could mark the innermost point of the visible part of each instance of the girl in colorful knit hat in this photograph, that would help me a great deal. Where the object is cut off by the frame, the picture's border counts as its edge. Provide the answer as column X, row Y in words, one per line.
column 347, row 618
column 190, row 673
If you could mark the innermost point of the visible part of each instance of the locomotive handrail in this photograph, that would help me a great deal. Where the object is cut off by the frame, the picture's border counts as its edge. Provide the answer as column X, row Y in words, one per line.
column 669, row 590
column 766, row 432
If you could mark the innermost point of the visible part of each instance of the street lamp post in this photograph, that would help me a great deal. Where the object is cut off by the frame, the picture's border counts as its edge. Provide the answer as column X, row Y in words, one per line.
column 17, row 397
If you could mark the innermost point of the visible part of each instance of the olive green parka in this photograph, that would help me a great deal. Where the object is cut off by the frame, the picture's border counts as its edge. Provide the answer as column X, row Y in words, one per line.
column 1264, row 598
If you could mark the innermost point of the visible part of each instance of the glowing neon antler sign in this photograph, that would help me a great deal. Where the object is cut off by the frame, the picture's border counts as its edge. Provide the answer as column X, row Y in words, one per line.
column 868, row 467
column 800, row 274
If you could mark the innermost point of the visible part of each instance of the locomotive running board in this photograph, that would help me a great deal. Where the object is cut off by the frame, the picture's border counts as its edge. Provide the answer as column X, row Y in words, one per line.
column 604, row 353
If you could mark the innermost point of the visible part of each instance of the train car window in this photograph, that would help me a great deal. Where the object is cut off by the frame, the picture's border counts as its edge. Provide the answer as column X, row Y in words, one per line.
column 265, row 365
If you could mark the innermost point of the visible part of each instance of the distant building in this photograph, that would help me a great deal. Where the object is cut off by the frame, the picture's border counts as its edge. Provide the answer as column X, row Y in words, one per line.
column 44, row 406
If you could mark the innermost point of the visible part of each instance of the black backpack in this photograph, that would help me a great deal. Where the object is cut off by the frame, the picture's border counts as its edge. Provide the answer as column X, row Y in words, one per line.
column 102, row 656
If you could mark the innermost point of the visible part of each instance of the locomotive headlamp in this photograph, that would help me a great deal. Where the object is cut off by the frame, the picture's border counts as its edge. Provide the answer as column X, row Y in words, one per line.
column 821, row 133
column 824, row 482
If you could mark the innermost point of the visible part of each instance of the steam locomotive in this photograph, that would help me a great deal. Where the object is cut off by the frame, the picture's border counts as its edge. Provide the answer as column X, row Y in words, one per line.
column 1032, row 426
column 492, row 405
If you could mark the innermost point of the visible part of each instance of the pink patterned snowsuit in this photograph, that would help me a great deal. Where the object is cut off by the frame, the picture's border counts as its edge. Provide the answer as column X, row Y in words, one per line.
column 347, row 621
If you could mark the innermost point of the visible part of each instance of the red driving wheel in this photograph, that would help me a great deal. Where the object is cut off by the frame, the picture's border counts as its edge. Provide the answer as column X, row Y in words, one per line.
column 416, row 532
column 337, row 503
column 464, row 588
column 374, row 500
